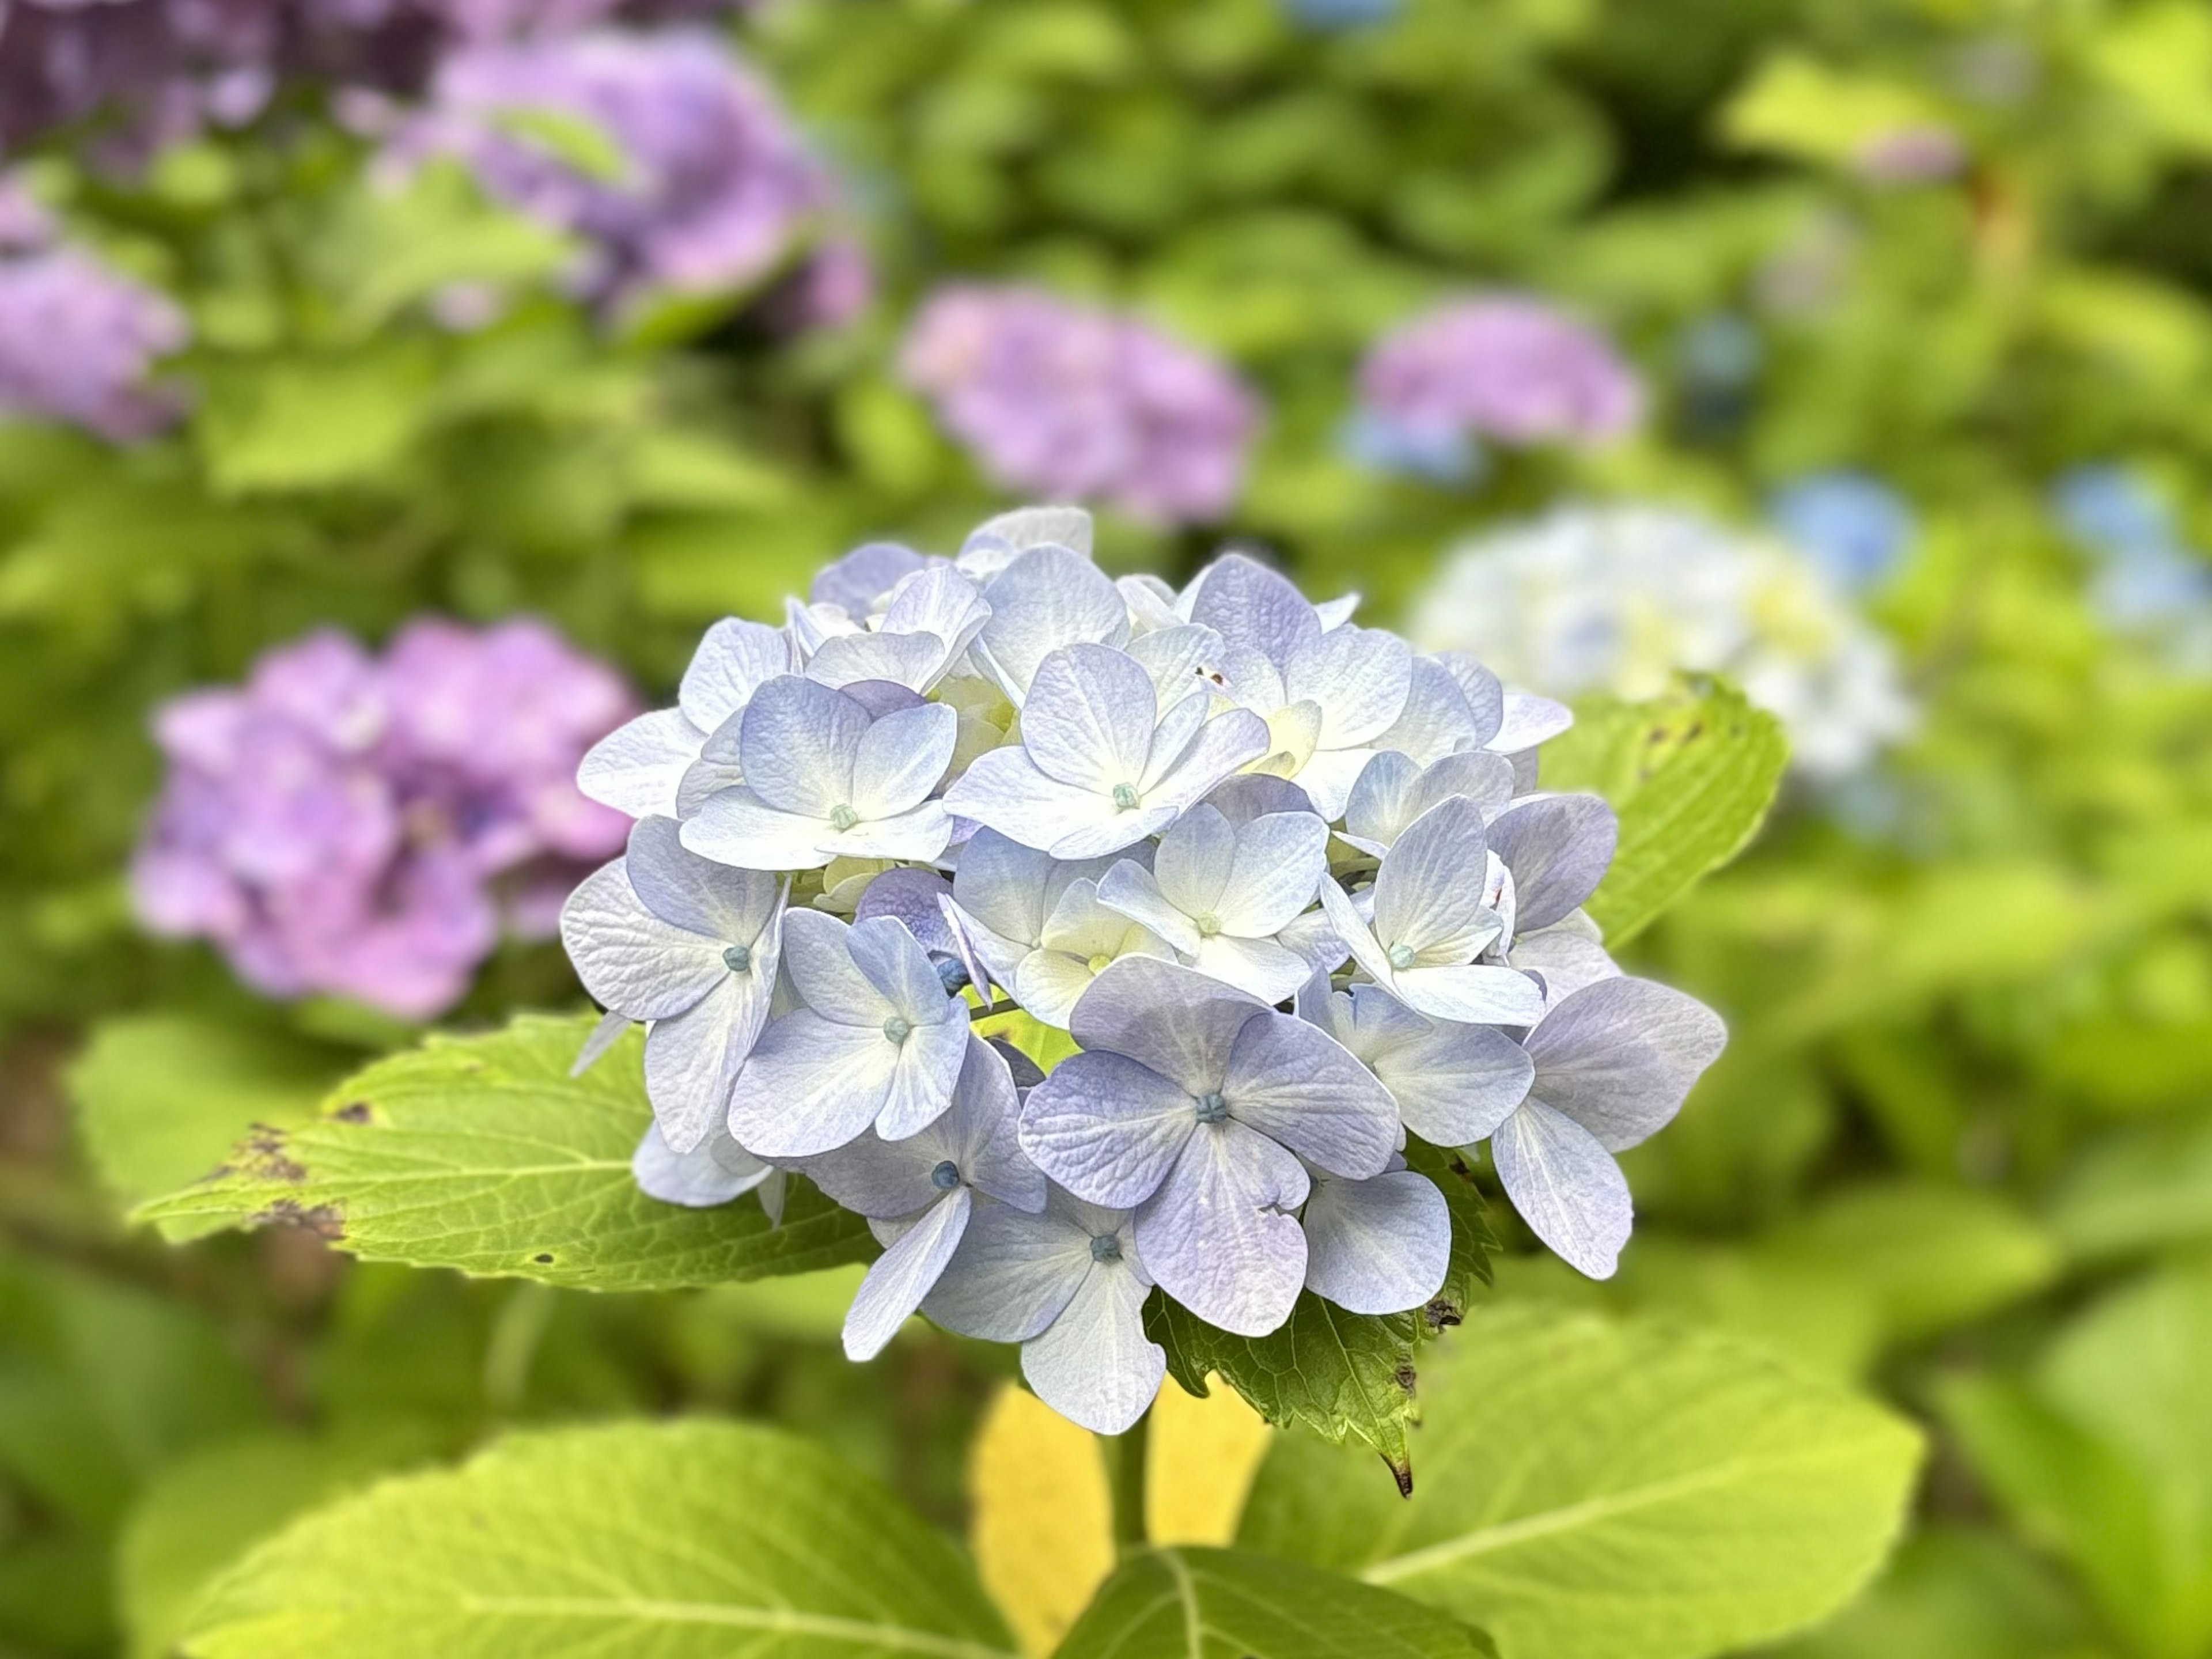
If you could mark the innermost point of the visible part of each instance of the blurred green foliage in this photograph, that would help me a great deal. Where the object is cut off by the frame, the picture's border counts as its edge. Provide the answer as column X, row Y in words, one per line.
column 1961, row 1144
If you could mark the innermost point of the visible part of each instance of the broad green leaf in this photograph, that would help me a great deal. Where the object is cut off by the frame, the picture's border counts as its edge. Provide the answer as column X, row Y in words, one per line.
column 570, row 139
column 679, row 1541
column 1601, row 1490
column 161, row 1097
column 2138, row 1192
column 1342, row 1375
column 1955, row 1592
column 1798, row 107
column 1231, row 1604
column 1691, row 775
column 307, row 423
column 483, row 1153
column 202, row 1513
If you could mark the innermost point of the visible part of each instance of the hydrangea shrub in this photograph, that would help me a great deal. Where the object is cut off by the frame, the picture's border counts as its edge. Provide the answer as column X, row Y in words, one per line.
column 1290, row 888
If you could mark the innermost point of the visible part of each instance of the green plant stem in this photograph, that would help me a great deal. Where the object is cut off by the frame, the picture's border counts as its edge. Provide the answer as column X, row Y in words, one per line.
column 1126, row 1453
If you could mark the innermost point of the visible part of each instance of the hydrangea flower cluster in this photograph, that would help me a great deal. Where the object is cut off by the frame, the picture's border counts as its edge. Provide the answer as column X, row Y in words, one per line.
column 1064, row 400
column 338, row 823
column 1852, row 527
column 1619, row 598
column 1505, row 368
column 78, row 340
column 165, row 70
column 1288, row 884
column 711, row 188
column 2147, row 582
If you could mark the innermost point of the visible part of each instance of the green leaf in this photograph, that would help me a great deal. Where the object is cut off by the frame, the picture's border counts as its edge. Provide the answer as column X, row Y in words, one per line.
column 1229, row 1604
column 201, row 1514
column 1692, row 777
column 680, row 1541
column 483, row 1153
column 1599, row 1490
column 161, row 1097
column 307, row 423
column 1797, row 107
column 1955, row 1592
column 569, row 139
column 1345, row 1375
column 2138, row 1192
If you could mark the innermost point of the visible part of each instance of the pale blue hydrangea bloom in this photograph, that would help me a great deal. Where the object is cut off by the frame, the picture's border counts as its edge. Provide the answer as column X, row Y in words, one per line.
column 826, row 777
column 918, row 1193
column 1112, row 805
column 692, row 947
column 1100, row 766
column 875, row 1039
column 1192, row 1104
column 1068, row 1287
column 1611, row 1065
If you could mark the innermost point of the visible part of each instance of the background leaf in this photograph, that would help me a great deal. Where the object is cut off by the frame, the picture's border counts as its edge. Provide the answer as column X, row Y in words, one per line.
column 1594, row 1490
column 1229, row 1604
column 1690, row 775
column 483, row 1153
column 679, row 1541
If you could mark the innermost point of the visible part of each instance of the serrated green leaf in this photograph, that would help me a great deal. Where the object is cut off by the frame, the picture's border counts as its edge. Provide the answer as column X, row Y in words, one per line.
column 679, row 1541
column 1692, row 777
column 1601, row 1490
column 1345, row 1375
column 1231, row 1604
column 483, row 1153
column 161, row 1097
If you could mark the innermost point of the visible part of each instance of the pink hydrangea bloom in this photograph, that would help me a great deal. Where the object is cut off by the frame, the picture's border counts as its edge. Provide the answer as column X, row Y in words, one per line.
column 361, row 826
column 1506, row 368
column 1072, row 403
column 78, row 342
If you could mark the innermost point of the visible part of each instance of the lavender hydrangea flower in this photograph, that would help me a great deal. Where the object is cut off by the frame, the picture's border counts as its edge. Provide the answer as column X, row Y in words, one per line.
column 1192, row 1104
column 827, row 778
column 1508, row 368
column 78, row 343
column 707, row 187
column 355, row 826
column 1611, row 1065
column 1059, row 399
column 1140, row 788
column 1430, row 923
column 918, row 1193
column 875, row 1039
column 691, row 946
column 1221, row 893
column 1099, row 767
column 1068, row 1287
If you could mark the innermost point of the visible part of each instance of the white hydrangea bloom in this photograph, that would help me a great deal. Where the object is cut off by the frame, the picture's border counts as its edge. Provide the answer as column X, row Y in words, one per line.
column 1619, row 598
column 950, row 786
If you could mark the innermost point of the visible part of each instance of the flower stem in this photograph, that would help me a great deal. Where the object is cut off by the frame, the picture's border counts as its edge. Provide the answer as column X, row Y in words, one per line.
column 1126, row 1453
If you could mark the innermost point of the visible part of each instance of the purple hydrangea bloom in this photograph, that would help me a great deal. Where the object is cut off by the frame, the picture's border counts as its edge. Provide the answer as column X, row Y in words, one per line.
column 1073, row 403
column 1509, row 368
column 708, row 186
column 336, row 825
column 78, row 340
column 162, row 69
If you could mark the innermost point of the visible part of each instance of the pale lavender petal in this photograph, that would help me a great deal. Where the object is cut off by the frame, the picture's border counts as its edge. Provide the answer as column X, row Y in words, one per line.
column 1250, row 605
column 715, row 1174
column 901, row 759
column 1089, row 718
column 734, row 659
column 1049, row 598
column 1566, row 1186
column 1259, row 967
column 1618, row 1057
column 637, row 768
column 736, row 827
column 1173, row 1019
column 1219, row 1235
column 1279, row 862
column 1528, row 721
column 1428, row 895
column 810, row 1087
column 1012, row 1274
column 692, row 1059
column 1297, row 1085
column 1192, row 868
column 1130, row 890
column 1359, row 676
column 1003, row 790
column 916, row 661
column 798, row 741
column 818, row 959
column 1558, row 847
column 903, row 1274
column 928, row 1069
column 1377, row 1246
column 1475, row 995
column 1094, row 1364
column 1229, row 740
column 726, row 905
column 1106, row 1128
column 629, row 959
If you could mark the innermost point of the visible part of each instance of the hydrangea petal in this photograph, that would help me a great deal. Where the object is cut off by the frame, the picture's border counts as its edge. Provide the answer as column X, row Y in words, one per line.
column 1360, row 677
column 1428, row 894
column 1620, row 1056
column 900, row 760
column 1089, row 718
column 1377, row 1246
column 736, row 827
column 1220, row 745
column 692, row 1059
column 1003, row 790
column 1013, row 1272
column 1297, row 1085
column 1106, row 1128
column 1473, row 995
column 1048, row 597
column 1277, row 869
column 713, row 1174
column 811, row 1085
column 1219, row 1235
column 916, row 661
column 1132, row 891
column 1527, row 721
column 922, row 1082
column 726, row 905
column 1250, row 605
column 1175, row 1021
column 1192, row 865
column 638, row 767
column 1565, row 957
column 1454, row 1083
column 797, row 743
column 1259, row 967
column 1094, row 1364
column 1565, row 1186
column 903, row 1274
column 629, row 958
column 1558, row 847
column 855, row 582
column 1486, row 698
column 734, row 659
